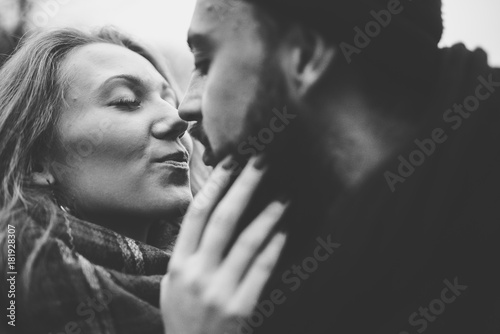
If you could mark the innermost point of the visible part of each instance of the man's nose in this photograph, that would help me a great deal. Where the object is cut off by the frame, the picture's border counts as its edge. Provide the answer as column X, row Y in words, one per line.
column 190, row 107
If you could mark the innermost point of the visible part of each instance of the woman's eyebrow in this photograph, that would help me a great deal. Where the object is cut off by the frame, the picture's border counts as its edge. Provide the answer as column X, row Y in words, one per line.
column 133, row 81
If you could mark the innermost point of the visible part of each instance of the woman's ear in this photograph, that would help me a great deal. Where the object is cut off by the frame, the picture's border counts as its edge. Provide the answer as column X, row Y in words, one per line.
column 41, row 175
column 307, row 58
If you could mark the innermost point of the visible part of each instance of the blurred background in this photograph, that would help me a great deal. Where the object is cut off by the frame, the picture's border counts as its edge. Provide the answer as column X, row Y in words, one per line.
column 164, row 23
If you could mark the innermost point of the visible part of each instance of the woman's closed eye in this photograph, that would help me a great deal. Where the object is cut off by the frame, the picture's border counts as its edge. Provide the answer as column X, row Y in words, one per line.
column 127, row 104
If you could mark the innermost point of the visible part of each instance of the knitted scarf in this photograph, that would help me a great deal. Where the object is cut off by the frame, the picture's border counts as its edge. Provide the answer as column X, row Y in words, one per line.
column 88, row 279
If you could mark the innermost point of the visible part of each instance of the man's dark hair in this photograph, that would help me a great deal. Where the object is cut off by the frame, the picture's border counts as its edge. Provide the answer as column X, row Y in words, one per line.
column 337, row 18
column 406, row 48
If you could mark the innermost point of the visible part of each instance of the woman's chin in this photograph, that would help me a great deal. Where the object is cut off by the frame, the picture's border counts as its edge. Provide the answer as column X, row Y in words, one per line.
column 172, row 206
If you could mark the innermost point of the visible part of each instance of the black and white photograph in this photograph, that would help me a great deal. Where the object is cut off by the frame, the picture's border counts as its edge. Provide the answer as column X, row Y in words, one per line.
column 250, row 166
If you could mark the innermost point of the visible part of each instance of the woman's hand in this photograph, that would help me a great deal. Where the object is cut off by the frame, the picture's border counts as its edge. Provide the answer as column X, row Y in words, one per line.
column 208, row 287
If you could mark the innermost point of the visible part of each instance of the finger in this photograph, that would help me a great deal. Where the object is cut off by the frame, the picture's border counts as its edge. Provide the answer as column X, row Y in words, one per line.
column 253, row 239
column 199, row 211
column 252, row 286
column 225, row 218
column 163, row 289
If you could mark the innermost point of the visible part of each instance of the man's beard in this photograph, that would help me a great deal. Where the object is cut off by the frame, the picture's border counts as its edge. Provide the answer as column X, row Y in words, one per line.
column 298, row 168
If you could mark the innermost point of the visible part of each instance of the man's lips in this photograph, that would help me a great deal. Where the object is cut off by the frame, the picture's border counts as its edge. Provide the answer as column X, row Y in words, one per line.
column 209, row 158
column 197, row 132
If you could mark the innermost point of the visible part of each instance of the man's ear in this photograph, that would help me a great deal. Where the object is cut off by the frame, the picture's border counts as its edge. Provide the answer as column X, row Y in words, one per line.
column 41, row 175
column 307, row 57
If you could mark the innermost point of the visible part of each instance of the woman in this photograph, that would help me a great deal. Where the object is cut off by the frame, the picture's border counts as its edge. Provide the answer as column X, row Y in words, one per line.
column 94, row 174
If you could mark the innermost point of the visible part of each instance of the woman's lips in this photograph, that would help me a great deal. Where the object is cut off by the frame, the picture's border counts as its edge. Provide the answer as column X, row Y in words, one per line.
column 176, row 164
column 177, row 160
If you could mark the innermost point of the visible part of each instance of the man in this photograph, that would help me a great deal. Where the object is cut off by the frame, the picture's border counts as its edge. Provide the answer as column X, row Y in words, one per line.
column 387, row 146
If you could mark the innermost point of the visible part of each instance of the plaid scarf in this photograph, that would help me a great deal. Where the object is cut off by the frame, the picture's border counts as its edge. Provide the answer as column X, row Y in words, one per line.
column 88, row 279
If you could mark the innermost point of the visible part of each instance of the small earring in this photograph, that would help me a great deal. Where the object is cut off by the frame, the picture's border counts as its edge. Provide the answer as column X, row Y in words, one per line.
column 65, row 209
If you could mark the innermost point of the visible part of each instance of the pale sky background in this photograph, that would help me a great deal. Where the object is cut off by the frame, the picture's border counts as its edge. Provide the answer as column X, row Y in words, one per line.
column 165, row 22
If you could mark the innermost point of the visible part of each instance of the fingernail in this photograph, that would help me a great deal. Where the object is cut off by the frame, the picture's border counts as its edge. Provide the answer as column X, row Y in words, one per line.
column 260, row 162
column 283, row 199
column 281, row 236
column 228, row 163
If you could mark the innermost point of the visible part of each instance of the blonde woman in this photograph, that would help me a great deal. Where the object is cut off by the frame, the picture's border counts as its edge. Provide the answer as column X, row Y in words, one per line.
column 94, row 181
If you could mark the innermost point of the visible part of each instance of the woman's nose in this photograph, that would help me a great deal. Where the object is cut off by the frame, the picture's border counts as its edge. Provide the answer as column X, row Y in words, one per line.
column 169, row 127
